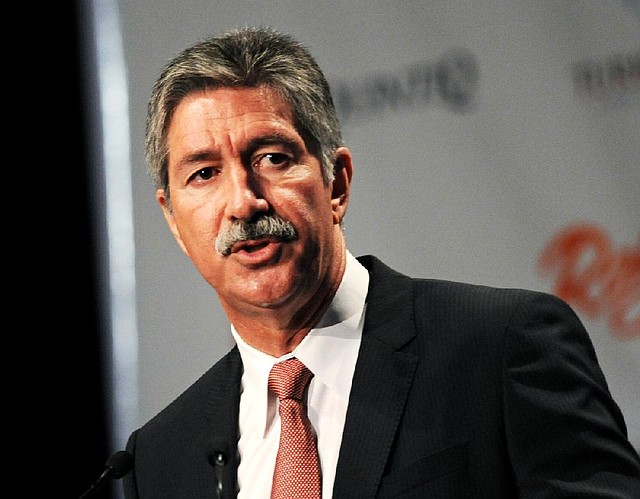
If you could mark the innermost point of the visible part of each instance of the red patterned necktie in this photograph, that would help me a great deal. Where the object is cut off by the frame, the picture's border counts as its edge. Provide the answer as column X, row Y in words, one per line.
column 297, row 471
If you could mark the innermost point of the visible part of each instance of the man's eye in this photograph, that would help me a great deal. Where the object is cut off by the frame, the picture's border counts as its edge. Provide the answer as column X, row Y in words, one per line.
column 272, row 159
column 203, row 174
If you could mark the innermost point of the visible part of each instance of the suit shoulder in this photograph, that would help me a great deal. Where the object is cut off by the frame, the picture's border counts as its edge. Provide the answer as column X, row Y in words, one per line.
column 434, row 298
column 450, row 286
column 478, row 303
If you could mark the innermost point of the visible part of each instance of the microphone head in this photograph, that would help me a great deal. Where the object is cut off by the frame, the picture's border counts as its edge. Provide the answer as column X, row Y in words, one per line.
column 218, row 452
column 120, row 463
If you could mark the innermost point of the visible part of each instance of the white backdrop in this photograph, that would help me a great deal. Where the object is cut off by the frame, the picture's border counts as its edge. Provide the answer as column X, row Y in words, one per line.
column 531, row 179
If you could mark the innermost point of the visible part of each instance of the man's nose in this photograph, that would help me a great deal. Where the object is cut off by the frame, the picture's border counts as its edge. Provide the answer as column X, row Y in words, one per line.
column 245, row 197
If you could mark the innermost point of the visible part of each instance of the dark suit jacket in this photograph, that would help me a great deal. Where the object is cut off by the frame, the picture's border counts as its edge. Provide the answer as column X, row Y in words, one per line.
column 459, row 391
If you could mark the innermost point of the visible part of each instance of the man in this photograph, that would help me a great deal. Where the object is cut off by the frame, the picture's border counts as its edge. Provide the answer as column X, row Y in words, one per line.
column 420, row 388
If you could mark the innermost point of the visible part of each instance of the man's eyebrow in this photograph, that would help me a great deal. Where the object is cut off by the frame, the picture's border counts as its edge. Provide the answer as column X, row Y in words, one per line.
column 270, row 139
column 196, row 157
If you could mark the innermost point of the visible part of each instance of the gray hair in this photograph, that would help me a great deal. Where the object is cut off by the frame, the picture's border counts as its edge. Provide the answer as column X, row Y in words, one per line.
column 247, row 57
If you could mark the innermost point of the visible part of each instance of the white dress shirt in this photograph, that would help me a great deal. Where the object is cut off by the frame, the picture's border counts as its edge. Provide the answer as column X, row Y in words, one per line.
column 330, row 351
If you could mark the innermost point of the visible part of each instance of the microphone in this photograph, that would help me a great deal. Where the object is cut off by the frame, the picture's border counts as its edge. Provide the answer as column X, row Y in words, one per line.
column 116, row 466
column 218, row 457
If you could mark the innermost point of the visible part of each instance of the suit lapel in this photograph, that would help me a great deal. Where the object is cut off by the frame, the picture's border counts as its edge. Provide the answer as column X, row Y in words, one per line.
column 381, row 383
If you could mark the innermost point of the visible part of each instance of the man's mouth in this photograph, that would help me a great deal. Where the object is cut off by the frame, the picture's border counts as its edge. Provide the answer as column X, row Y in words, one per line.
column 256, row 253
column 251, row 245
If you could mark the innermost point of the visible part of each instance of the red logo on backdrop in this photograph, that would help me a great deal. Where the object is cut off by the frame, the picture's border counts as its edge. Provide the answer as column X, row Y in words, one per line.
column 595, row 277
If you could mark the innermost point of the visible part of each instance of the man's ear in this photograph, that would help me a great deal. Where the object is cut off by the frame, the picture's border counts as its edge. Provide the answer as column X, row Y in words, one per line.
column 341, row 185
column 168, row 216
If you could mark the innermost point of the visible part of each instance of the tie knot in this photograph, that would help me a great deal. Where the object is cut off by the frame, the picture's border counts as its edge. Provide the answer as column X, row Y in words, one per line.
column 289, row 378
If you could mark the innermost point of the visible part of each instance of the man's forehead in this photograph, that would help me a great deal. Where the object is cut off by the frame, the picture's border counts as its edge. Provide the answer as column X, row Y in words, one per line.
column 230, row 108
column 231, row 101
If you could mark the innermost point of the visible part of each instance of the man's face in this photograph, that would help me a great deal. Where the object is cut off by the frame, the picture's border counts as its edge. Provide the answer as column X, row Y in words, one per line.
column 234, row 154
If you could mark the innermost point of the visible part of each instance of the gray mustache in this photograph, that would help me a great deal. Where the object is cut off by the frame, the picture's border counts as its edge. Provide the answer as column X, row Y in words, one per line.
column 271, row 226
